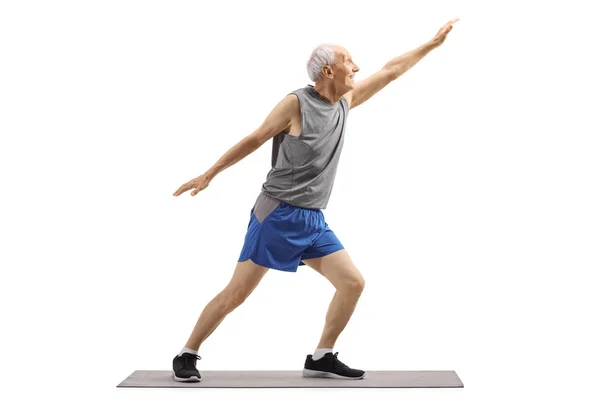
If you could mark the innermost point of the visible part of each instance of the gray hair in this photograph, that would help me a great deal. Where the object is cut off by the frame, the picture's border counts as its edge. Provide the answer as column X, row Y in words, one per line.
column 321, row 56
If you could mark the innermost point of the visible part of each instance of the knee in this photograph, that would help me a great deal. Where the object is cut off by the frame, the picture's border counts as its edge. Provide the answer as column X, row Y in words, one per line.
column 356, row 285
column 233, row 298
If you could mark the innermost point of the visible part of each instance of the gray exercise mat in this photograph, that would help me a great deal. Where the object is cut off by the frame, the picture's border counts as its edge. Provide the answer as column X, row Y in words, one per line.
column 294, row 379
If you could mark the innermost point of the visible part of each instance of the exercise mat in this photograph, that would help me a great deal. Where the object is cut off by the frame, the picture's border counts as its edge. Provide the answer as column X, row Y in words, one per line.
column 294, row 379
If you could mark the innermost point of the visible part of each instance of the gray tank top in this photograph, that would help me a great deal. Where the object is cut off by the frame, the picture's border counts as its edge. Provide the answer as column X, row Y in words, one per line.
column 304, row 167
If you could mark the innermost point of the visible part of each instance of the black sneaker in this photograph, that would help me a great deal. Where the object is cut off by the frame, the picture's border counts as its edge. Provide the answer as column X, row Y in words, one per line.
column 184, row 368
column 329, row 366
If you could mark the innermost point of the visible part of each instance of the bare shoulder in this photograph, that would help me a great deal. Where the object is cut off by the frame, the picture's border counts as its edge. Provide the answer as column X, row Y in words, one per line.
column 292, row 105
column 291, row 101
column 279, row 119
column 286, row 108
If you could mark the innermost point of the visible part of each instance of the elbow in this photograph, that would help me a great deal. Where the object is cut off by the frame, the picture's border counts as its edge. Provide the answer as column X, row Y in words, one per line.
column 393, row 72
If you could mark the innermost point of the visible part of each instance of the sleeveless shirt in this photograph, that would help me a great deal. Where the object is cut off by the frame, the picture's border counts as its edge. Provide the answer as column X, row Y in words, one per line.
column 303, row 167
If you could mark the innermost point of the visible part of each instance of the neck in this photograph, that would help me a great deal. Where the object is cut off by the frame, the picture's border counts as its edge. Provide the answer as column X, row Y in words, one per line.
column 327, row 91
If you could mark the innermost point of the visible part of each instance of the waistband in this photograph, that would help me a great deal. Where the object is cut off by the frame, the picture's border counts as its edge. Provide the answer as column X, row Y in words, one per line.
column 286, row 204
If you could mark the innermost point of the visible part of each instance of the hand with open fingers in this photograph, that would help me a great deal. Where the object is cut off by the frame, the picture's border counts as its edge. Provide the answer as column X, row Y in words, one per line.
column 198, row 184
column 443, row 32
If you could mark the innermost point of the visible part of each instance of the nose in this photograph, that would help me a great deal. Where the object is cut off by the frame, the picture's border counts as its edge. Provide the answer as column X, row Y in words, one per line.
column 355, row 69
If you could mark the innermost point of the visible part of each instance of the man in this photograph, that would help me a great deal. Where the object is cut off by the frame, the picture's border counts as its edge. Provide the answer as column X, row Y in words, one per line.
column 287, row 227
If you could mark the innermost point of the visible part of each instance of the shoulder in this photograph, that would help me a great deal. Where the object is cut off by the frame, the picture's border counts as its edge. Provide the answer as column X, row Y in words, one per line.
column 291, row 101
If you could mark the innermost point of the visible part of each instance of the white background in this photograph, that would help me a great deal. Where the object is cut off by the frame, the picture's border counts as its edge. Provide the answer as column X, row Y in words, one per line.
column 467, row 193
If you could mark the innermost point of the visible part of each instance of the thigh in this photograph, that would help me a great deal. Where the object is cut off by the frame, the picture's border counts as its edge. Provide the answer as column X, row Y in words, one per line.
column 246, row 276
column 337, row 267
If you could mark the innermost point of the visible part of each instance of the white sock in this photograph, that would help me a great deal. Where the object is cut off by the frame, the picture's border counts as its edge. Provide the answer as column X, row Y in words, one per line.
column 186, row 350
column 319, row 353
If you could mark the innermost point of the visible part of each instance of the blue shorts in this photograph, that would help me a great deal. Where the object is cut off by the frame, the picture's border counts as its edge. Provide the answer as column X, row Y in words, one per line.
column 281, row 235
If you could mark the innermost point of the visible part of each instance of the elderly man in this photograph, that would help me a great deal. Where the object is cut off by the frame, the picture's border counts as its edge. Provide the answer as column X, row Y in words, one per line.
column 287, row 227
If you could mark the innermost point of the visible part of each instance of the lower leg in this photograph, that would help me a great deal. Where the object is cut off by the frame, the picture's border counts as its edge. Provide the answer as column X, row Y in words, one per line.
column 245, row 278
column 340, row 310
column 213, row 314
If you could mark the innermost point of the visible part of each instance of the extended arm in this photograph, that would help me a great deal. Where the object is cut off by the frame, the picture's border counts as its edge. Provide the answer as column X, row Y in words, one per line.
column 279, row 119
column 365, row 89
column 399, row 65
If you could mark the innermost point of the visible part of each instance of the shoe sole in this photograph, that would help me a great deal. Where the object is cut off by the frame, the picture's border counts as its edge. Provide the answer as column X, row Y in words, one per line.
column 190, row 379
column 309, row 373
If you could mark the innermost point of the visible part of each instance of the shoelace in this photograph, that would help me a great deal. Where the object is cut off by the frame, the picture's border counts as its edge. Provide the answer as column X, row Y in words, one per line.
column 190, row 360
column 338, row 362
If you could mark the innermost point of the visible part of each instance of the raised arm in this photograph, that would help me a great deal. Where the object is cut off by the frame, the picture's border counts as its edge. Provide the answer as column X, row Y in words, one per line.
column 366, row 88
column 278, row 119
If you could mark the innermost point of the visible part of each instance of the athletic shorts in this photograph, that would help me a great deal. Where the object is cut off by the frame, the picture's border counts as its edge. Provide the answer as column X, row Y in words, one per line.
column 281, row 235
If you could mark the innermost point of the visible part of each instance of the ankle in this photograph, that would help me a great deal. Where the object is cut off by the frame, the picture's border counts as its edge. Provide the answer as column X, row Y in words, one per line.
column 188, row 350
column 321, row 351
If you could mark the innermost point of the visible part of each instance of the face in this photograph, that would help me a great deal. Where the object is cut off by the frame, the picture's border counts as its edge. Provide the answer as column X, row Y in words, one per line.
column 344, row 69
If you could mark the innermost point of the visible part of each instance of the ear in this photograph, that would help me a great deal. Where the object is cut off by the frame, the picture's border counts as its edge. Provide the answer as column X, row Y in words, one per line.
column 327, row 71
